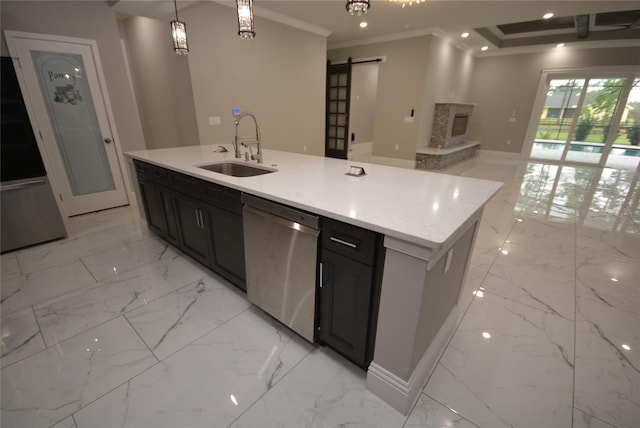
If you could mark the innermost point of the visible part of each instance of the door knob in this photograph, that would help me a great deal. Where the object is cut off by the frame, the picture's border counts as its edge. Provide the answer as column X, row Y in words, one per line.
column 108, row 140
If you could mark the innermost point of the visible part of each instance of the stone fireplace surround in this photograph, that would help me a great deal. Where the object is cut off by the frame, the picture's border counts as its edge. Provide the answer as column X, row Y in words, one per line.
column 448, row 143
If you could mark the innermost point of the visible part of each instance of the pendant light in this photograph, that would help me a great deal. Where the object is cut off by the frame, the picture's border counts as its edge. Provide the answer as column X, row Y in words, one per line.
column 179, row 34
column 357, row 7
column 245, row 19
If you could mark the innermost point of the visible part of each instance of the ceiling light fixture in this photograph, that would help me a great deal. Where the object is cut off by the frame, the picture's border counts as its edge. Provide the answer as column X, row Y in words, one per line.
column 363, row 24
column 179, row 34
column 464, row 35
column 484, row 48
column 408, row 2
column 358, row 7
column 245, row 19
column 560, row 45
column 547, row 15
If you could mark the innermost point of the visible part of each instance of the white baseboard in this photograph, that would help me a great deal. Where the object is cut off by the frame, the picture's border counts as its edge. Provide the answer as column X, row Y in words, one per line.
column 399, row 393
column 400, row 163
column 493, row 154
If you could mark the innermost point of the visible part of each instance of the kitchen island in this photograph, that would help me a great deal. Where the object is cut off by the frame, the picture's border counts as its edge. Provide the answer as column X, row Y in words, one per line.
column 428, row 220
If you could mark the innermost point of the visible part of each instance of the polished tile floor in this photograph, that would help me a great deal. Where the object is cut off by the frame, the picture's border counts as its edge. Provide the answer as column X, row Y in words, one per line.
column 111, row 327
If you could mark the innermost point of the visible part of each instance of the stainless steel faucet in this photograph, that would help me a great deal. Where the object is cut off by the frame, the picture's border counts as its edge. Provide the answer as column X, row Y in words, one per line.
column 237, row 142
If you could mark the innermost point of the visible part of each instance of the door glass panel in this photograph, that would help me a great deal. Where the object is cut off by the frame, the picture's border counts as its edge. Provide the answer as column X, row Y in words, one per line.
column 333, row 106
column 342, row 93
column 556, row 118
column 333, row 80
column 625, row 152
column 592, row 127
column 342, row 81
column 74, row 121
column 333, row 93
column 340, row 144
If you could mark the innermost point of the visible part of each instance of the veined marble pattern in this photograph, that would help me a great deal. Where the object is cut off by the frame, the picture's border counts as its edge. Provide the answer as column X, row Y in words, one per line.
column 508, row 365
column 607, row 363
column 208, row 383
column 49, row 386
column 25, row 291
column 169, row 323
column 554, row 288
column 80, row 310
column 21, row 336
column 320, row 392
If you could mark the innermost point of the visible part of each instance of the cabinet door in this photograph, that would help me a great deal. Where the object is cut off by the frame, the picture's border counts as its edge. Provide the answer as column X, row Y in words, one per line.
column 191, row 221
column 227, row 256
column 345, row 301
column 170, row 224
column 152, row 205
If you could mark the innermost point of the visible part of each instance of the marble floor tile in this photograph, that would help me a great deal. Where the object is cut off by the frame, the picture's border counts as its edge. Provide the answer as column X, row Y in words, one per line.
column 208, row 383
column 321, row 391
column 584, row 420
column 49, row 386
column 607, row 373
column 66, row 423
column 9, row 267
column 428, row 413
column 20, row 336
column 76, row 246
column 80, row 310
column 110, row 264
column 610, row 280
column 625, row 243
column 540, row 279
column 171, row 322
column 547, row 235
column 31, row 289
column 508, row 365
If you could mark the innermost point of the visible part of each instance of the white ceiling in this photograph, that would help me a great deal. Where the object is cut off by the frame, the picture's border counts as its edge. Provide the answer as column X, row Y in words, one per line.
column 387, row 20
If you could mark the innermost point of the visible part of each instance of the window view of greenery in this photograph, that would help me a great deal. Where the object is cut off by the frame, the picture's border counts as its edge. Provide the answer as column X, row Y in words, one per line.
column 594, row 121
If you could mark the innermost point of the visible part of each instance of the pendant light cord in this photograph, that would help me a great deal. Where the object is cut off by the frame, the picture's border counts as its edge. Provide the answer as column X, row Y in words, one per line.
column 175, row 6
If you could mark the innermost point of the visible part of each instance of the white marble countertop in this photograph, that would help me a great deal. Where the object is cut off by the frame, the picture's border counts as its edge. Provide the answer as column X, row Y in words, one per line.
column 421, row 207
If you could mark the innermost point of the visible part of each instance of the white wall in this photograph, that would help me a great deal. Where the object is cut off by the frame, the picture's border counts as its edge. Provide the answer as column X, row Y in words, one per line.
column 280, row 76
column 448, row 79
column 162, row 84
column 418, row 72
column 364, row 91
column 504, row 84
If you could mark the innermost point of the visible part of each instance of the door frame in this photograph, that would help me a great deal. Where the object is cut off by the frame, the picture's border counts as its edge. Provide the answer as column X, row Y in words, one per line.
column 10, row 37
column 628, row 71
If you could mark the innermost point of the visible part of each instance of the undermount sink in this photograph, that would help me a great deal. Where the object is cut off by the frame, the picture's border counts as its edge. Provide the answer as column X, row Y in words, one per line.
column 235, row 169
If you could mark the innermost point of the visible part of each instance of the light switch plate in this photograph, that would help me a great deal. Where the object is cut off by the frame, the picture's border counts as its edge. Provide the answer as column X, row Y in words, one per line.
column 214, row 120
column 408, row 119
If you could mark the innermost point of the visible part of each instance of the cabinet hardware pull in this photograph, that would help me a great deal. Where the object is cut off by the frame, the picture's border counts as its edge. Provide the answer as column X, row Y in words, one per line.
column 340, row 241
column 197, row 219
column 320, row 274
column 201, row 221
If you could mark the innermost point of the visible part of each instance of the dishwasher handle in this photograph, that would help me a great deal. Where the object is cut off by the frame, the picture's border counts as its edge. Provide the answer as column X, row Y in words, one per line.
column 290, row 224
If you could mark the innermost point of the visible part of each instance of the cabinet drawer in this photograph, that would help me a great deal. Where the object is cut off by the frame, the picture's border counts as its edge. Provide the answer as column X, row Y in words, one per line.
column 143, row 169
column 223, row 197
column 351, row 241
column 185, row 184
column 161, row 176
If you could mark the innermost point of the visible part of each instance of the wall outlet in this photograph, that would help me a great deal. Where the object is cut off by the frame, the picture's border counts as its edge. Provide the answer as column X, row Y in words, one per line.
column 397, row 146
column 304, row 148
column 214, row 120
column 508, row 142
column 512, row 119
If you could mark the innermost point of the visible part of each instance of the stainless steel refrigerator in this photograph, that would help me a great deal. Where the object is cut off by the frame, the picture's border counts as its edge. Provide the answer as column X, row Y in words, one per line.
column 29, row 213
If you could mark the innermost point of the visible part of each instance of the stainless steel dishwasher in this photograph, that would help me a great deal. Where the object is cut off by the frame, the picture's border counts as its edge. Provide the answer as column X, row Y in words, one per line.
column 281, row 258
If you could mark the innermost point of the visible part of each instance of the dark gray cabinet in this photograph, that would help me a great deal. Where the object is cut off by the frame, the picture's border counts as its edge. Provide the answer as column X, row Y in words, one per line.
column 351, row 260
column 203, row 219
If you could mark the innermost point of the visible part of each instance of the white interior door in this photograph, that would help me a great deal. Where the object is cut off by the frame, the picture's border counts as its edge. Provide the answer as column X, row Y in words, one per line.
column 62, row 84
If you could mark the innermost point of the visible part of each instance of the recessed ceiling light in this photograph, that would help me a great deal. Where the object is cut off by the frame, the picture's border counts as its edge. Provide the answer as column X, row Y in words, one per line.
column 464, row 35
column 560, row 45
column 486, row 335
column 484, row 48
column 363, row 24
column 626, row 347
column 547, row 15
